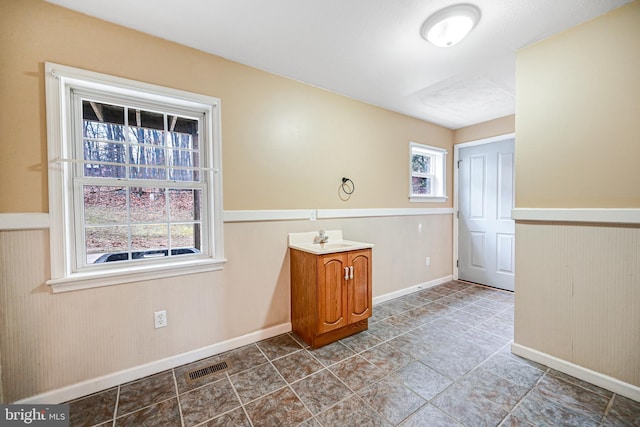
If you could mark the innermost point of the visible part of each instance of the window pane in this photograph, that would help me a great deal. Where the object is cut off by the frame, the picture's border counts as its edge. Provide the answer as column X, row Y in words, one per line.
column 183, row 132
column 100, row 151
column 185, row 205
column 145, row 237
column 184, row 159
column 184, row 140
column 146, row 155
column 420, row 185
column 185, row 236
column 146, row 127
column 104, row 205
column 421, row 164
column 146, row 136
column 184, row 175
column 104, row 152
column 98, row 130
column 147, row 173
column 106, row 241
column 147, row 205
column 104, row 121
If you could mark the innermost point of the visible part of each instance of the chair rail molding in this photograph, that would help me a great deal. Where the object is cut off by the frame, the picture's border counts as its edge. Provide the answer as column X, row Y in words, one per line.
column 594, row 215
column 24, row 221
column 33, row 221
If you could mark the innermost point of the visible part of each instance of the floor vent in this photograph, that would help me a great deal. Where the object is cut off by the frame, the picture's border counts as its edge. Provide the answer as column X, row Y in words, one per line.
column 206, row 371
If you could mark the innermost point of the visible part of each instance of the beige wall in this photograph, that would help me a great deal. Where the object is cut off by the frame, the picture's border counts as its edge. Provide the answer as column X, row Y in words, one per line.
column 577, row 110
column 577, row 146
column 285, row 145
column 488, row 129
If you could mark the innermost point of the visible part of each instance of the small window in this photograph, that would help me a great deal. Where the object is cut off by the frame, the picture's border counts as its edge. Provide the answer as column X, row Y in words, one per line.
column 134, row 178
column 427, row 179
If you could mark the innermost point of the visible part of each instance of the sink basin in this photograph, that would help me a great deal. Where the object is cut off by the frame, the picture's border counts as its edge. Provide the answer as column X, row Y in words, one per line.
column 304, row 242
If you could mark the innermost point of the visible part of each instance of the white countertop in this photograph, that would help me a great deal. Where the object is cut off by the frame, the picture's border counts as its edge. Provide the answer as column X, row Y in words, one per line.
column 304, row 242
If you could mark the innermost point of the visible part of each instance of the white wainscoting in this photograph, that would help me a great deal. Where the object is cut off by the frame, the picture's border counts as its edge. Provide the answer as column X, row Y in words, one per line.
column 576, row 300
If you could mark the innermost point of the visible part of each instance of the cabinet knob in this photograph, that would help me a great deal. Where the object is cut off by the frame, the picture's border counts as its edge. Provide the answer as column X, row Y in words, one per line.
column 346, row 273
column 351, row 272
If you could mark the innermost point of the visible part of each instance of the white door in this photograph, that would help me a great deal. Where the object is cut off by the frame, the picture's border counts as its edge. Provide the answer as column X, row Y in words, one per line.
column 486, row 232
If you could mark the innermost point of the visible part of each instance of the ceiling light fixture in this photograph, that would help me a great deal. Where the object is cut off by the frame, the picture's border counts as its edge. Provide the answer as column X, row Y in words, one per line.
column 450, row 25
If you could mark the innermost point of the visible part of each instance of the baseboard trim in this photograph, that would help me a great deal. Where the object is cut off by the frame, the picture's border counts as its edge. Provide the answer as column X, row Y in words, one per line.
column 411, row 289
column 601, row 380
column 94, row 385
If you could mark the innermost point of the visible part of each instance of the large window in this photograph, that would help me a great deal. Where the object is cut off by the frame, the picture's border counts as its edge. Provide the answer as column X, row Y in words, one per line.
column 134, row 180
column 427, row 177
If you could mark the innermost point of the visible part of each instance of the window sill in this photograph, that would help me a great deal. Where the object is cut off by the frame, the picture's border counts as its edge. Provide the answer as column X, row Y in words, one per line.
column 128, row 274
column 427, row 199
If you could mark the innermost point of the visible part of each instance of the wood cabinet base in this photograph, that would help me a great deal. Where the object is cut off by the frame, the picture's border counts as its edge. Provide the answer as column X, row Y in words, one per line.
column 316, row 341
column 330, row 295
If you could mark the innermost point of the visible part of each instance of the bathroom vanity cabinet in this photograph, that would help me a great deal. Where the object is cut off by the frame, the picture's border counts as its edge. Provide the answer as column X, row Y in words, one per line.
column 330, row 294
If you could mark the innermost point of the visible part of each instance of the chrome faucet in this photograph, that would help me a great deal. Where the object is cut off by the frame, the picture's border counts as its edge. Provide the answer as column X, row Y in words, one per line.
column 321, row 237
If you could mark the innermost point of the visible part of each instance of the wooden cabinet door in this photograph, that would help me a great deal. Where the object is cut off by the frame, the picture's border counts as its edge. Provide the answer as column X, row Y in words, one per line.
column 332, row 295
column 359, row 287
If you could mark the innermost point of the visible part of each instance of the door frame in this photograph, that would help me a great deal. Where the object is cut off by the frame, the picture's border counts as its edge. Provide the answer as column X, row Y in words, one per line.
column 456, row 183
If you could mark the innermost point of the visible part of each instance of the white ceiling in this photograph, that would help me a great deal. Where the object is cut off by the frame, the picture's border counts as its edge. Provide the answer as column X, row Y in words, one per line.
column 370, row 50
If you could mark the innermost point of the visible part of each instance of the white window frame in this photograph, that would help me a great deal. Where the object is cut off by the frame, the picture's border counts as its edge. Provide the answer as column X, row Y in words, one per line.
column 67, row 273
column 438, row 177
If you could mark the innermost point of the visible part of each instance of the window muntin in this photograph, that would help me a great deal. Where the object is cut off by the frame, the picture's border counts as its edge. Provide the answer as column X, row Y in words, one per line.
column 427, row 178
column 113, row 143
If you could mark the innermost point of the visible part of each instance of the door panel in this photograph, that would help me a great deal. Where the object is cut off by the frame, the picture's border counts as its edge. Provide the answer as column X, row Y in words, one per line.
column 485, row 228
column 331, row 295
column 506, row 253
column 477, row 249
column 477, row 181
column 505, row 186
column 359, row 291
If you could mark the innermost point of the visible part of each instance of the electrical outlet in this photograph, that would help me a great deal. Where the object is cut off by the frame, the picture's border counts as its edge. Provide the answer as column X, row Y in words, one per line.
column 160, row 318
column 428, row 261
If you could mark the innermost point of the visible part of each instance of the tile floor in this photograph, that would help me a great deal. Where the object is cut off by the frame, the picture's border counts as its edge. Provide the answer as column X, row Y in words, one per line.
column 437, row 357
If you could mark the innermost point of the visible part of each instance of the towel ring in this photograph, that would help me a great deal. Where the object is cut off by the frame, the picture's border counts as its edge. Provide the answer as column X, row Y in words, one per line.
column 348, row 186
